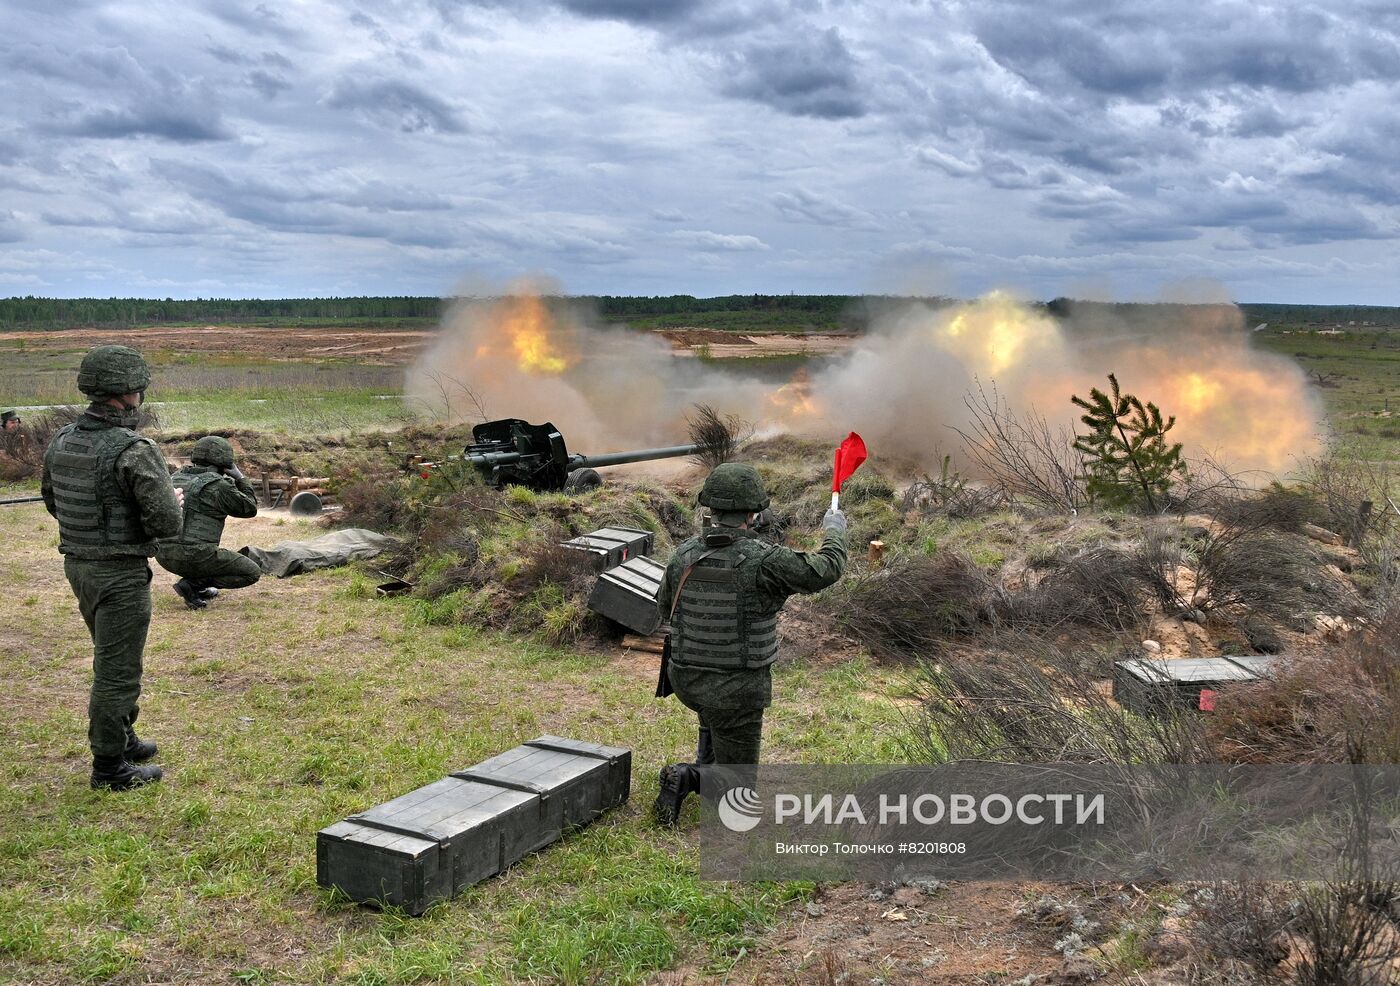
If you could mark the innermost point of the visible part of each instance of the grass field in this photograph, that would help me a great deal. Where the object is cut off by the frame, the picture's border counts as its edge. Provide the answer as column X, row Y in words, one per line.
column 288, row 706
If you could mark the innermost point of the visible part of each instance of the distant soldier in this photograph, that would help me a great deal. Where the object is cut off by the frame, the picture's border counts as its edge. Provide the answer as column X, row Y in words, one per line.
column 215, row 489
column 721, row 593
column 10, row 421
column 110, row 490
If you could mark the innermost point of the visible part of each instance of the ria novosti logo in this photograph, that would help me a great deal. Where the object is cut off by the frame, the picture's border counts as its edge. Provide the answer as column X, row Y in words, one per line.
column 740, row 809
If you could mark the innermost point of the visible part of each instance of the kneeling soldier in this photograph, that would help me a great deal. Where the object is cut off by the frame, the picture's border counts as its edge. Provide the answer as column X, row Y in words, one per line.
column 214, row 490
column 722, row 592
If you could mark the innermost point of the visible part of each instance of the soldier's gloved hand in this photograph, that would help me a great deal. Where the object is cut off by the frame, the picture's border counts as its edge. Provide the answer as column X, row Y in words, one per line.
column 834, row 520
column 234, row 472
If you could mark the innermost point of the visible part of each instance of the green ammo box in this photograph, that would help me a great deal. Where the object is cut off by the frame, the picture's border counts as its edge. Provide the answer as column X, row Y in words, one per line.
column 611, row 546
column 1147, row 686
column 433, row 843
column 628, row 593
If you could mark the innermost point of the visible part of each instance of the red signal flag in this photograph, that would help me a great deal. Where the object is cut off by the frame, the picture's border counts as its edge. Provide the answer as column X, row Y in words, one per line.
column 849, row 456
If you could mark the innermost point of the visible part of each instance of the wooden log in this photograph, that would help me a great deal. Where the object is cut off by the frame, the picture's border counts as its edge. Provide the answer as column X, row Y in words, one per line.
column 1321, row 534
column 877, row 552
column 652, row 645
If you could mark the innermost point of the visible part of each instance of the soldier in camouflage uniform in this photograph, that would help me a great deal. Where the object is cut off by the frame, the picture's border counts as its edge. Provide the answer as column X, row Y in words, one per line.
column 722, row 592
column 215, row 489
column 110, row 490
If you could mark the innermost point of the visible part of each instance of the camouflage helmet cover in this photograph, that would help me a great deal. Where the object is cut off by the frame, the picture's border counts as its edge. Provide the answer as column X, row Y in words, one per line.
column 111, row 371
column 211, row 450
column 733, row 486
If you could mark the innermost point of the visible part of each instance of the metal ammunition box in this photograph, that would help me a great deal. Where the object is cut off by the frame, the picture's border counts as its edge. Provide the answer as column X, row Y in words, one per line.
column 627, row 594
column 1149, row 686
column 433, row 843
column 612, row 546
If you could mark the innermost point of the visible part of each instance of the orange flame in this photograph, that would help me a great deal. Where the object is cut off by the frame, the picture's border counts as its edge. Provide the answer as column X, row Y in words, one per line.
column 523, row 327
column 793, row 401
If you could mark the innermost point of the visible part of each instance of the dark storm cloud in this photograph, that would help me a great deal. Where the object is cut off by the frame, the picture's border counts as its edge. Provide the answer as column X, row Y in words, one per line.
column 1146, row 50
column 809, row 75
column 646, row 12
column 395, row 104
column 181, row 127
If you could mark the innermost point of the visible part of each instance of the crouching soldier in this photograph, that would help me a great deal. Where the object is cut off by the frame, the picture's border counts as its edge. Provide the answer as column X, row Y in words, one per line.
column 215, row 489
column 722, row 592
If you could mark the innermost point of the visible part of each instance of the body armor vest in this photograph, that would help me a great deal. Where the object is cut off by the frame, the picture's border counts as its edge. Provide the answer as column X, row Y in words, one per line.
column 718, row 621
column 95, row 519
column 203, row 524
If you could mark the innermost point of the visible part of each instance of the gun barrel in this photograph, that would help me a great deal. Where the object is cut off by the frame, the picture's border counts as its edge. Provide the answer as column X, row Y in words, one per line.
column 493, row 458
column 20, row 499
column 622, row 458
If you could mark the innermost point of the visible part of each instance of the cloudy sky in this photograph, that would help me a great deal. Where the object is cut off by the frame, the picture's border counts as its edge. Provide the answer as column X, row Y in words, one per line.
column 1112, row 150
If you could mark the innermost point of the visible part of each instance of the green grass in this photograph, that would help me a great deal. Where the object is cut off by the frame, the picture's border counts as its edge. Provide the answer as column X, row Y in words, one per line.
column 292, row 704
column 1362, row 371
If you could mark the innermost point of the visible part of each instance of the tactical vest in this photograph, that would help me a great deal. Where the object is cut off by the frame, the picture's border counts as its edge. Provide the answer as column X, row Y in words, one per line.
column 717, row 621
column 203, row 524
column 95, row 519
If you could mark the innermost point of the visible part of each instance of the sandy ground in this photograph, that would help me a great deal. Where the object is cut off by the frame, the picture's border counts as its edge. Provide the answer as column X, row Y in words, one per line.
column 396, row 347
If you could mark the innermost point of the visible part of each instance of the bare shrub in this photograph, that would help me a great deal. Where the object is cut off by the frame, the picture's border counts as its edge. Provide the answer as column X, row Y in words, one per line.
column 1020, row 699
column 1349, row 931
column 1022, row 454
column 372, row 502
column 1247, row 568
column 1333, row 708
column 915, row 603
column 1104, row 588
column 1345, row 486
column 1277, row 507
column 1244, row 921
column 573, row 571
column 718, row 435
column 950, row 495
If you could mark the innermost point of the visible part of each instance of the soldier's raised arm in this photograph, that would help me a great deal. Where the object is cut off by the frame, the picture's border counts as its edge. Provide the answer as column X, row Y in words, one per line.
column 785, row 571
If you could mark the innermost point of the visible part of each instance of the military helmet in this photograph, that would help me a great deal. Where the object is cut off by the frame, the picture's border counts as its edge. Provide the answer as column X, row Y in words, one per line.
column 733, row 486
column 111, row 371
column 211, row 450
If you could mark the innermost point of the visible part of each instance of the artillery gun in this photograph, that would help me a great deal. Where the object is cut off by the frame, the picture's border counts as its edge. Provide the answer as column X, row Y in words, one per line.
column 512, row 452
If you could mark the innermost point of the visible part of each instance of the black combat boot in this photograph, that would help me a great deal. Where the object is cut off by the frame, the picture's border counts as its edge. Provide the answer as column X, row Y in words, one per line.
column 705, row 748
column 677, row 781
column 116, row 774
column 187, row 592
column 137, row 749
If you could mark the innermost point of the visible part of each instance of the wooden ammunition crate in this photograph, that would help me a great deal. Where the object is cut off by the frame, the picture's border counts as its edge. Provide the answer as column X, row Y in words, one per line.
column 433, row 843
column 611, row 546
column 1149, row 686
column 627, row 594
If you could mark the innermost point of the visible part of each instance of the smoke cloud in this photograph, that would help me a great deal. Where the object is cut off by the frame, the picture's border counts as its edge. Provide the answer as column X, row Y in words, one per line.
column 902, row 384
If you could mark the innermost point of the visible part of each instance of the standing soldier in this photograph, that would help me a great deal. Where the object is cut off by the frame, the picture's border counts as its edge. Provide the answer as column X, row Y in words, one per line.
column 722, row 592
column 110, row 490
column 214, row 489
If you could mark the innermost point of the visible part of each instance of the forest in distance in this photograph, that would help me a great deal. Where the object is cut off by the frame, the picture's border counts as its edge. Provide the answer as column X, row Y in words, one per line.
column 746, row 312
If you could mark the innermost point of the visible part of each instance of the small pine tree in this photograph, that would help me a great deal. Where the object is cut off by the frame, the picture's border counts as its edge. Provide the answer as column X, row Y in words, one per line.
column 1129, row 461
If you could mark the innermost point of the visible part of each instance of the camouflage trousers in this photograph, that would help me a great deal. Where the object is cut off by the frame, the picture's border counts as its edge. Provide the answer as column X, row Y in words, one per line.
column 114, row 597
column 209, row 567
column 735, row 734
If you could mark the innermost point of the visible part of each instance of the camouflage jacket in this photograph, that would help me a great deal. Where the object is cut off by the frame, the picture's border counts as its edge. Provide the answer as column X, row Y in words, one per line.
column 782, row 572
